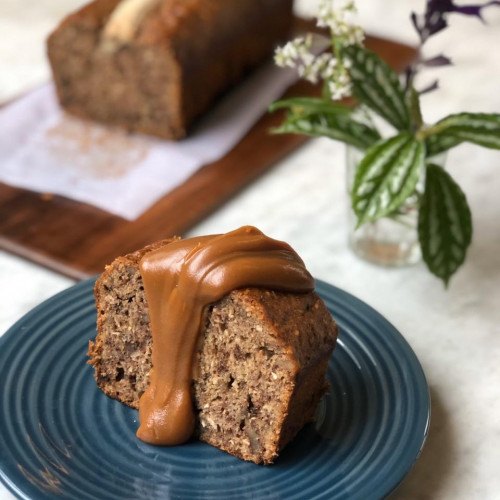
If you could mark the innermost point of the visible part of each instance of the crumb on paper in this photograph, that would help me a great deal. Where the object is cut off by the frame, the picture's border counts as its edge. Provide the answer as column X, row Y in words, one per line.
column 94, row 150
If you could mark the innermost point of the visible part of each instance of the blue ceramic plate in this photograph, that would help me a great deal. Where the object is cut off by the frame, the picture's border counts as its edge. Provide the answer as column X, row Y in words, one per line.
column 61, row 437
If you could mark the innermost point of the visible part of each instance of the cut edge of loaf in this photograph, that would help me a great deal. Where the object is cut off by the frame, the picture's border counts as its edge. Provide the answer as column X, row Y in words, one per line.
column 264, row 383
column 136, row 88
column 125, row 315
column 264, row 340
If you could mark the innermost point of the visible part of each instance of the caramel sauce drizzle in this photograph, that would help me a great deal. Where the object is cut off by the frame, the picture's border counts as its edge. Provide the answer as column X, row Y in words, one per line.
column 180, row 280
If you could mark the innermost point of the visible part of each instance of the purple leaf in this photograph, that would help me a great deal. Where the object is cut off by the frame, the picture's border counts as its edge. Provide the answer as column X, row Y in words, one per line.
column 437, row 61
column 472, row 10
column 435, row 16
column 442, row 6
column 414, row 20
column 409, row 74
column 433, row 21
column 433, row 86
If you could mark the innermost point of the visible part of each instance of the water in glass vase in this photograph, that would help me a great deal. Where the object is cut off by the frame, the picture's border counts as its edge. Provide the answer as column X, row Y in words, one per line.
column 393, row 240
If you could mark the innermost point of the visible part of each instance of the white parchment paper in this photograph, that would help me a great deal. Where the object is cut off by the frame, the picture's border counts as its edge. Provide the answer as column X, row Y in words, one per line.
column 46, row 150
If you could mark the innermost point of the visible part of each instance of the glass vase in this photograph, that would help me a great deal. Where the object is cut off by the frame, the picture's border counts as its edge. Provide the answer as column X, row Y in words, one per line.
column 393, row 240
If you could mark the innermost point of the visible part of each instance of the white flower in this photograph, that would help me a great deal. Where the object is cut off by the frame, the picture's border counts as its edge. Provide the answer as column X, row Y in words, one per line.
column 340, row 86
column 326, row 66
column 338, row 92
column 340, row 21
column 294, row 51
column 328, row 63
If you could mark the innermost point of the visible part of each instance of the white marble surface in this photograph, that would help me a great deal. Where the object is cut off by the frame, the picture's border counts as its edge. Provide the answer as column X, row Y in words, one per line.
column 455, row 333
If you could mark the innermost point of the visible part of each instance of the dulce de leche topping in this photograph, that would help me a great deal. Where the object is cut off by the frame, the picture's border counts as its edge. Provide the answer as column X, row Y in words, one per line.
column 180, row 279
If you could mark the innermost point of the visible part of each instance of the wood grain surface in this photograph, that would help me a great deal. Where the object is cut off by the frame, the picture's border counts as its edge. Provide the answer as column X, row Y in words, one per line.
column 78, row 240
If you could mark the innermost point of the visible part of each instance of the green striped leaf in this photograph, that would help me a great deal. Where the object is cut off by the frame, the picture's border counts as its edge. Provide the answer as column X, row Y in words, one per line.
column 438, row 143
column 377, row 85
column 479, row 128
column 444, row 224
column 339, row 127
column 387, row 176
column 309, row 105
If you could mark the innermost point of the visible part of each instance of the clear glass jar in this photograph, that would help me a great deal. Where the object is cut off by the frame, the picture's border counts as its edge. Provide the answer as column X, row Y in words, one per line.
column 393, row 240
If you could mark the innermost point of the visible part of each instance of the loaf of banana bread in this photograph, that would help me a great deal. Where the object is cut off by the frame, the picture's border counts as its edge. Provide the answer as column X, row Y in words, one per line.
column 154, row 66
column 259, row 366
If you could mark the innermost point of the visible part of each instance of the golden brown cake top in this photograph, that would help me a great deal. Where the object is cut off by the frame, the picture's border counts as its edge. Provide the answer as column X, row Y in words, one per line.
column 167, row 22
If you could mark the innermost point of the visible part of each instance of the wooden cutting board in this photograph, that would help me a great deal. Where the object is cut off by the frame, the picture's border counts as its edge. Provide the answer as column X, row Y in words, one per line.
column 77, row 240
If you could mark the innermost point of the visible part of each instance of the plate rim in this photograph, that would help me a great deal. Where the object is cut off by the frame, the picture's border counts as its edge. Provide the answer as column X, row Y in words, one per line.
column 415, row 364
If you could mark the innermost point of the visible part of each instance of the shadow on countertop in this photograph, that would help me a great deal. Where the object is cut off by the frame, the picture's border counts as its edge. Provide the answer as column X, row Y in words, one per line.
column 435, row 465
